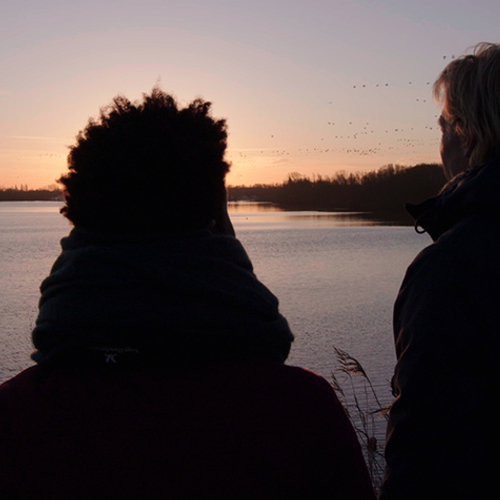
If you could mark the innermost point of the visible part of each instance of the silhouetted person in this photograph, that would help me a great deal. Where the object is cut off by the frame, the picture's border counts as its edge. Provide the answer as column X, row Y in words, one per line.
column 160, row 357
column 442, row 440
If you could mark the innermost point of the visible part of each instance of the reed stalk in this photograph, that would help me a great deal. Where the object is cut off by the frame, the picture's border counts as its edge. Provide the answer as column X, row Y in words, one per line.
column 365, row 410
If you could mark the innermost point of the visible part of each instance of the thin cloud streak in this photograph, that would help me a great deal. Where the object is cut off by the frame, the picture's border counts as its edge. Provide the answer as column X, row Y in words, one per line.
column 36, row 138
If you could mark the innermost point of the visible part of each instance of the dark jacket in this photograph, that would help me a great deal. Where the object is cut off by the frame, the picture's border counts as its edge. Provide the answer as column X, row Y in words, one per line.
column 442, row 440
column 253, row 429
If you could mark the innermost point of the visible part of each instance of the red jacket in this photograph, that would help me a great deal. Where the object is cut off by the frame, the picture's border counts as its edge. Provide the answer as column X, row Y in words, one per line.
column 250, row 429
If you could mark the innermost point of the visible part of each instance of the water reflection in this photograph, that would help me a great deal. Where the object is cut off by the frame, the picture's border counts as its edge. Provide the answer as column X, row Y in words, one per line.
column 18, row 207
column 253, row 206
column 270, row 216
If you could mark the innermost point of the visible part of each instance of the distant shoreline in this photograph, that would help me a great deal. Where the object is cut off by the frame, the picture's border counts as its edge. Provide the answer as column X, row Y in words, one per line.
column 30, row 195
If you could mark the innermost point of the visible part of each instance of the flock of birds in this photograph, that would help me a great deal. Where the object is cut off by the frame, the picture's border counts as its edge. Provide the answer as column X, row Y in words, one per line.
column 360, row 138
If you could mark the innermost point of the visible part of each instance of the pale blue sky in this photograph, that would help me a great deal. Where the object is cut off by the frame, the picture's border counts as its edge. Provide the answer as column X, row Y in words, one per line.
column 308, row 87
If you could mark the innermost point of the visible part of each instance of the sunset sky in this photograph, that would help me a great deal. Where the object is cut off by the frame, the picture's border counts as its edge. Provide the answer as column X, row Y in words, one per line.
column 306, row 86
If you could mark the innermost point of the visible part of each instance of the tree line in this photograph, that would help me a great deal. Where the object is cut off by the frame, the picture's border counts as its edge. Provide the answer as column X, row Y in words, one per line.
column 387, row 189
column 22, row 193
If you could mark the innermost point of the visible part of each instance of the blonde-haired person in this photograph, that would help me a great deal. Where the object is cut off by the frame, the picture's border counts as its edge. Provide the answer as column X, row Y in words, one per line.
column 469, row 90
column 441, row 439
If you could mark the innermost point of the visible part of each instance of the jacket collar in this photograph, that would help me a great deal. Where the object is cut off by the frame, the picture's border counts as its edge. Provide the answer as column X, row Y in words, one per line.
column 475, row 190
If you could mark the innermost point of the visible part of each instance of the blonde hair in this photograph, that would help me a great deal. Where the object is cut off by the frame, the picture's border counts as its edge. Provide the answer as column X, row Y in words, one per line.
column 469, row 90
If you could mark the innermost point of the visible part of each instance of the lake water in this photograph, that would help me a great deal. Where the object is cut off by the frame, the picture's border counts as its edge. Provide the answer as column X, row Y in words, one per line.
column 336, row 276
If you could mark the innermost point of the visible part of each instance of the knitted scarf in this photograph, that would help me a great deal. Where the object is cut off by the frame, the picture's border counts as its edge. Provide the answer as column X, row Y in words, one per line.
column 171, row 295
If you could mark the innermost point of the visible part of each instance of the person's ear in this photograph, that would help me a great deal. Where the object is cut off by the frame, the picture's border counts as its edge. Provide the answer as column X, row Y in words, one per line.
column 468, row 144
column 222, row 223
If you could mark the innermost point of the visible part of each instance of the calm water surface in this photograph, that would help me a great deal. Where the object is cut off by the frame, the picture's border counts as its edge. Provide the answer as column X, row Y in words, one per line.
column 336, row 276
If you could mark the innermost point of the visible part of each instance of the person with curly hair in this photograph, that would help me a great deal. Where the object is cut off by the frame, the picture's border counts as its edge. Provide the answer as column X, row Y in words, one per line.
column 160, row 357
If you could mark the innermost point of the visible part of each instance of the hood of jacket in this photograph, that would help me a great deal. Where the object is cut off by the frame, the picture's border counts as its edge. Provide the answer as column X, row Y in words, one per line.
column 175, row 296
column 474, row 191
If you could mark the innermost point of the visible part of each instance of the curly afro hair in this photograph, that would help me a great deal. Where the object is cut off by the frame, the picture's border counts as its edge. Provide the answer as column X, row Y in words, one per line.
column 147, row 167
